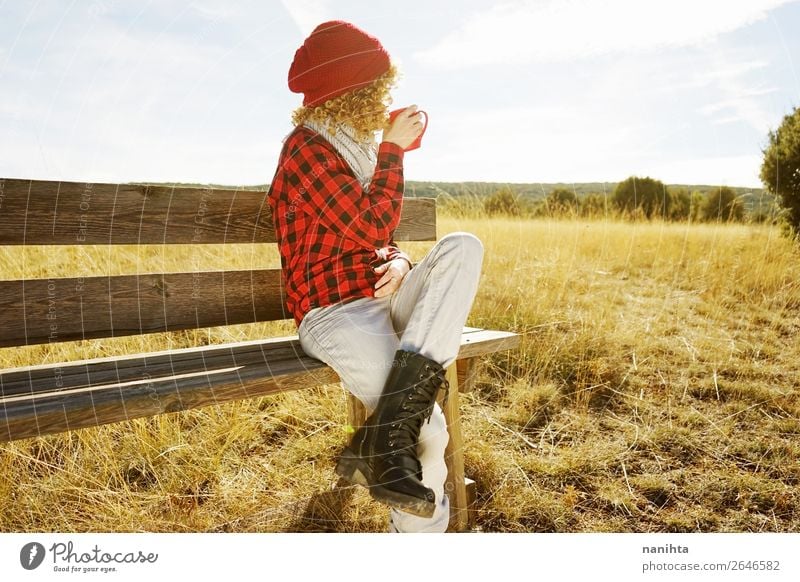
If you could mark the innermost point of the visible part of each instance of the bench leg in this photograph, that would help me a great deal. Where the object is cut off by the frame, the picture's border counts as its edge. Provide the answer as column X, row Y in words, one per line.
column 455, row 486
column 467, row 373
column 356, row 412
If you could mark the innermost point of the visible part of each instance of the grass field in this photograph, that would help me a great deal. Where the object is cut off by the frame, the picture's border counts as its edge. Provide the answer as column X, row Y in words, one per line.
column 656, row 389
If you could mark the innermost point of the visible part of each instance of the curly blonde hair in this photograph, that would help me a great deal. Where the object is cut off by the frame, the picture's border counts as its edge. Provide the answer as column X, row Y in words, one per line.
column 365, row 109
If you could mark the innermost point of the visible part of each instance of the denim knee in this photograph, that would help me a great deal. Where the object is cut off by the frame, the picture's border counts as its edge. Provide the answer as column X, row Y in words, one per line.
column 463, row 248
column 466, row 242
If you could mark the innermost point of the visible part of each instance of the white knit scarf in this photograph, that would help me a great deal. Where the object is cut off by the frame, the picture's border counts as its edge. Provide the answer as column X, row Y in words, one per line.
column 361, row 155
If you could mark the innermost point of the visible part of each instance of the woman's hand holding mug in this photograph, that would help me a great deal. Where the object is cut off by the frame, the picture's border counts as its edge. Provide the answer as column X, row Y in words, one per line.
column 406, row 127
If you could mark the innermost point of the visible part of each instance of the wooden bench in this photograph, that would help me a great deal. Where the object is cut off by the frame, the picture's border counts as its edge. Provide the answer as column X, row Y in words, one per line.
column 44, row 399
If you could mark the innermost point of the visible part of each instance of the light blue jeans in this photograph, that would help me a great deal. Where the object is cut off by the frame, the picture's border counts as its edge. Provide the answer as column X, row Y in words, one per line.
column 426, row 314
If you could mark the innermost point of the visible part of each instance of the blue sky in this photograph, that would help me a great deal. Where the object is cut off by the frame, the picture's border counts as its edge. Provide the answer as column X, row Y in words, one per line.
column 536, row 91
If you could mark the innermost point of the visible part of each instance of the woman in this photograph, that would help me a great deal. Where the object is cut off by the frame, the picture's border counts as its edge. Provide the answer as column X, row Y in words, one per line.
column 388, row 327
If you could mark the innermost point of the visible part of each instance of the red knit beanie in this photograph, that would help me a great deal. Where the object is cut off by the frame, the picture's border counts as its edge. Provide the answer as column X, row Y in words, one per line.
column 336, row 58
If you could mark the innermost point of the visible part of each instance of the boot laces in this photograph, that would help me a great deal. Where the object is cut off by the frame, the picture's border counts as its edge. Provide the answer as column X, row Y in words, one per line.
column 418, row 404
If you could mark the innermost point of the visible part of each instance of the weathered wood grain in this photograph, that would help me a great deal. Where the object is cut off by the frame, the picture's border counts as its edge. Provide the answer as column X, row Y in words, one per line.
column 42, row 212
column 57, row 398
column 44, row 310
column 44, row 399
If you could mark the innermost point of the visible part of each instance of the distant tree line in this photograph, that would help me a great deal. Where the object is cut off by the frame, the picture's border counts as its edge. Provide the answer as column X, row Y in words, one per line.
column 632, row 199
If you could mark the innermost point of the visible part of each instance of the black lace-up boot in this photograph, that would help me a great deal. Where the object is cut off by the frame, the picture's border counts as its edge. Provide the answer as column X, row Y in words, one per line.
column 383, row 453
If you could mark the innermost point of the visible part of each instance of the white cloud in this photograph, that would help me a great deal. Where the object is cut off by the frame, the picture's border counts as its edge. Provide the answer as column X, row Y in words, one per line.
column 556, row 144
column 527, row 143
column 141, row 157
column 307, row 14
column 131, row 104
column 706, row 73
column 732, row 71
column 742, row 98
column 714, row 170
column 728, row 120
column 208, row 101
column 213, row 13
column 556, row 30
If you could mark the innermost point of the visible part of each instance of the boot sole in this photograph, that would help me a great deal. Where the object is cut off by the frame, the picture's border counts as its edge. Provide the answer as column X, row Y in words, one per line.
column 355, row 470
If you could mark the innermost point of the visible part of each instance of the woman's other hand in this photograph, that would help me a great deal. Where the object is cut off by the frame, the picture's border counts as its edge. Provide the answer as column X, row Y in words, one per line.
column 393, row 273
column 406, row 127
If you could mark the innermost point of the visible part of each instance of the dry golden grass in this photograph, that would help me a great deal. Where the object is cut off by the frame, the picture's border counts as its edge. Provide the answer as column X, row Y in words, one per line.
column 656, row 389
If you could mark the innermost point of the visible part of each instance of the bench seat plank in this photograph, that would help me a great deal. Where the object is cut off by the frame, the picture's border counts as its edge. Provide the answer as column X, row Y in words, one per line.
column 44, row 399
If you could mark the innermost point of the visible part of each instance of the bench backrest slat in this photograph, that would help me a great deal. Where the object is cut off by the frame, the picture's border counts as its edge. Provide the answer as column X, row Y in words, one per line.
column 41, row 212
column 53, row 310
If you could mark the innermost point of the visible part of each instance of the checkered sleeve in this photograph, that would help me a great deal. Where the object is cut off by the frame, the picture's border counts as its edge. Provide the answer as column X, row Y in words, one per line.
column 331, row 196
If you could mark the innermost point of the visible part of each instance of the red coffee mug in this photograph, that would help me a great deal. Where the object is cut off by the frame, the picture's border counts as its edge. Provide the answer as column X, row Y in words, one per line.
column 417, row 142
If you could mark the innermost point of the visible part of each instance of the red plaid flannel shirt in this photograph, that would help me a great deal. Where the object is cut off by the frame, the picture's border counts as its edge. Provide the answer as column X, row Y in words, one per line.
column 331, row 233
